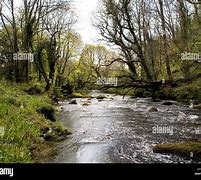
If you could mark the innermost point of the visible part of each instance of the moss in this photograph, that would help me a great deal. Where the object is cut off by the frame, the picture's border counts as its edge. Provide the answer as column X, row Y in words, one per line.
column 131, row 93
column 185, row 149
column 77, row 95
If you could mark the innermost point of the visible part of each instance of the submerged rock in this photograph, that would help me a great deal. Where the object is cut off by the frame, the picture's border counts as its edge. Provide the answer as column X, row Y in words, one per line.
column 152, row 109
column 86, row 104
column 100, row 97
column 168, row 103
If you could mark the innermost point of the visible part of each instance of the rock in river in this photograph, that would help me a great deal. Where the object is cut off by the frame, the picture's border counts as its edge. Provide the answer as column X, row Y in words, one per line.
column 152, row 109
column 73, row 102
column 168, row 103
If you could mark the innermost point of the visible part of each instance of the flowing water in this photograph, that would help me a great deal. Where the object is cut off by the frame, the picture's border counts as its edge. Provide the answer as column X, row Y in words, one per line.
column 117, row 130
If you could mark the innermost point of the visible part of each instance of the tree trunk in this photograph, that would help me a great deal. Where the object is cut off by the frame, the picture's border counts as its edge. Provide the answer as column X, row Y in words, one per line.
column 165, row 44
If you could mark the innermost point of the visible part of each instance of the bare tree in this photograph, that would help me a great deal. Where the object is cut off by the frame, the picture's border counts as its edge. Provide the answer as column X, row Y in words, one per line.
column 116, row 22
column 165, row 40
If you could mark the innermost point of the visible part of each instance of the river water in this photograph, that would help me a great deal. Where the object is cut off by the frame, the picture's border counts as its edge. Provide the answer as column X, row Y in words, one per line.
column 118, row 130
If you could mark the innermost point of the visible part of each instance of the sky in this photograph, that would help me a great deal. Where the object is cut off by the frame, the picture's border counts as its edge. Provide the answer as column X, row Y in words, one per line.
column 84, row 10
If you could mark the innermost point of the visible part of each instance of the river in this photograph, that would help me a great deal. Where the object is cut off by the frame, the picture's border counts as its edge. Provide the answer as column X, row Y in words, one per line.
column 121, row 130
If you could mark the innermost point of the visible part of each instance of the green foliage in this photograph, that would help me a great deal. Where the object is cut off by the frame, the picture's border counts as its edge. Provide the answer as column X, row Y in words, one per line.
column 24, row 119
column 184, row 92
column 58, row 93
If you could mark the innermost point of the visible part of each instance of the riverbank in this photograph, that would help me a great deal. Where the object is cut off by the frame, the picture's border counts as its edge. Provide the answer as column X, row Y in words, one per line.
column 183, row 92
column 28, row 127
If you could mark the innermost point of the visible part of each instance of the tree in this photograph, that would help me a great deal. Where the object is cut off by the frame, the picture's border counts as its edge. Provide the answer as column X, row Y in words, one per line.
column 70, row 47
column 117, row 23
column 165, row 40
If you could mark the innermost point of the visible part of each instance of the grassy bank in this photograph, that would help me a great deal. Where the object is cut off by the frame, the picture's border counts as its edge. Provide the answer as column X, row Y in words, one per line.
column 28, row 125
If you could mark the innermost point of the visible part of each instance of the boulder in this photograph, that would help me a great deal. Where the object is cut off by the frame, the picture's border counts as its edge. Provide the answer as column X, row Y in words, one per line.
column 100, row 97
column 152, row 109
column 73, row 102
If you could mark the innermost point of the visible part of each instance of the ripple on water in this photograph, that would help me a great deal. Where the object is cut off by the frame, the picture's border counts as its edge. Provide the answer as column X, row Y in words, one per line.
column 121, row 130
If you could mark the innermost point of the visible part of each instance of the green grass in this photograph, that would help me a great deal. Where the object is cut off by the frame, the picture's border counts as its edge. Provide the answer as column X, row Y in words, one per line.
column 24, row 123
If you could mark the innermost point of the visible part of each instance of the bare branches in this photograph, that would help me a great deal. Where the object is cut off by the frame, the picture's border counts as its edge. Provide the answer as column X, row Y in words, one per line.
column 118, row 24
